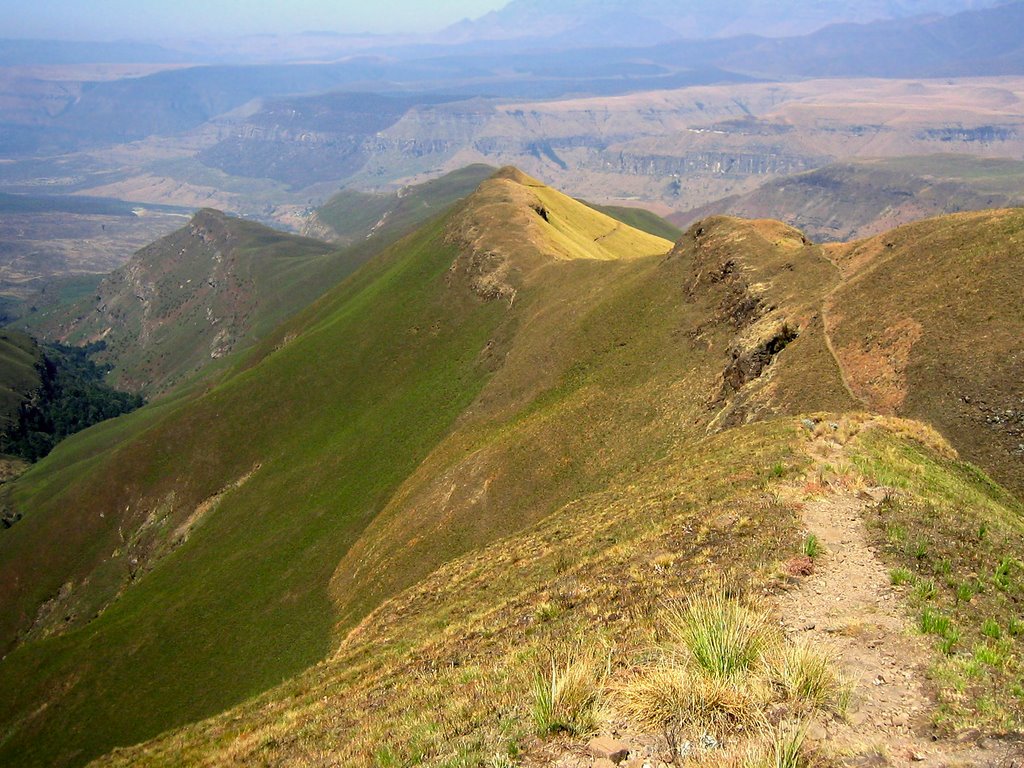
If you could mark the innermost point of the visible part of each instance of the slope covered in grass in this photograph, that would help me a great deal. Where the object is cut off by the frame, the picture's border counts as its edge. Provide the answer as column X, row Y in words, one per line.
column 202, row 525
column 19, row 376
column 927, row 324
column 446, row 673
column 193, row 297
column 525, row 422
column 351, row 216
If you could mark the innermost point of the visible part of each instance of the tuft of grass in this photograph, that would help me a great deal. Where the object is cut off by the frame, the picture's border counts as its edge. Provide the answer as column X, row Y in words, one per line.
column 725, row 673
column 676, row 699
column 1001, row 577
column 899, row 577
column 921, row 549
column 723, row 636
column 932, row 622
column 781, row 747
column 546, row 611
column 925, row 590
column 809, row 678
column 787, row 749
column 567, row 698
column 990, row 628
column 812, row 547
column 990, row 654
column 965, row 590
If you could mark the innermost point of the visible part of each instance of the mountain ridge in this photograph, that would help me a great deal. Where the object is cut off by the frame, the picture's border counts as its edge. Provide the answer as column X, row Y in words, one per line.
column 412, row 421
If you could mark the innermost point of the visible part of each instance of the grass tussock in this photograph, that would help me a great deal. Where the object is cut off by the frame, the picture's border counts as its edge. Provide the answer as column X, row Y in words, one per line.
column 809, row 678
column 726, row 672
column 781, row 747
column 723, row 636
column 567, row 697
column 812, row 546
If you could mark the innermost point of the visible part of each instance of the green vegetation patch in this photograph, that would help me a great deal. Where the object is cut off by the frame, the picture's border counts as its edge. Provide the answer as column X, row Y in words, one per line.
column 464, row 669
column 241, row 604
column 72, row 395
column 954, row 541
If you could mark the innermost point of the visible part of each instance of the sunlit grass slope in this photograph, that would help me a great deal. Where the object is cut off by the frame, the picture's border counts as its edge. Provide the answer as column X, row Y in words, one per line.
column 927, row 324
column 444, row 674
column 216, row 522
column 526, row 420
column 201, row 537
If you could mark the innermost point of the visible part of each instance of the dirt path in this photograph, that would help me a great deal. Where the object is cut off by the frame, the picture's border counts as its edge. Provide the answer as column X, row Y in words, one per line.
column 848, row 606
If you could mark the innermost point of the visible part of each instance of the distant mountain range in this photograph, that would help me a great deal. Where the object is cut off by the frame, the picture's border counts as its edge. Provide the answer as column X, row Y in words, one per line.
column 587, row 22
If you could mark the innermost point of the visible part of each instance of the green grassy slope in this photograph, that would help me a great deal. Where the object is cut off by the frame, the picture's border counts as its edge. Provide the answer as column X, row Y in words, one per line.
column 288, row 460
column 444, row 674
column 411, row 415
column 351, row 217
column 928, row 325
column 331, row 433
column 524, row 421
column 218, row 285
column 189, row 299
column 642, row 219
column 19, row 376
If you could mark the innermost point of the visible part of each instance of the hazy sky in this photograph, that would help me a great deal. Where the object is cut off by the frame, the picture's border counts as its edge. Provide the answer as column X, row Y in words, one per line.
column 157, row 19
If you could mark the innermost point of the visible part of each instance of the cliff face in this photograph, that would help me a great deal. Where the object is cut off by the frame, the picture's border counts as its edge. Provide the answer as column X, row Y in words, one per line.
column 691, row 146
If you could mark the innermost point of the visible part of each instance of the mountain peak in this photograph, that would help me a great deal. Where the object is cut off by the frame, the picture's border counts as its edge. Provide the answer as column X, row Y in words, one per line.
column 513, row 225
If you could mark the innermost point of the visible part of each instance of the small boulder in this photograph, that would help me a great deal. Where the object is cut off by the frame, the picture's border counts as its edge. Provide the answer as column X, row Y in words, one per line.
column 607, row 748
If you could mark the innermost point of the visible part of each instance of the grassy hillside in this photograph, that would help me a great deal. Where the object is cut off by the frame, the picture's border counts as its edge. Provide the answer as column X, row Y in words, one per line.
column 642, row 219
column 927, row 325
column 19, row 376
column 351, row 217
column 524, row 425
column 220, row 284
column 446, row 673
column 193, row 297
column 852, row 200
column 384, row 364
